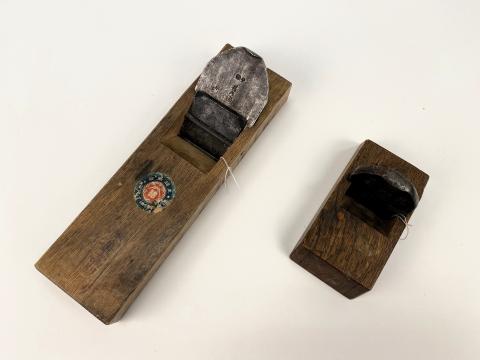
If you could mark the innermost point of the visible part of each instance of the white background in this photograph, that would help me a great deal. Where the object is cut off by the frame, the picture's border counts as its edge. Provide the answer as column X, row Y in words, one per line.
column 83, row 83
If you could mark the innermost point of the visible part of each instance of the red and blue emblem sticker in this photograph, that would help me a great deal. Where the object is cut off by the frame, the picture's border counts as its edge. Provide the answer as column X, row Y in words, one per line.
column 154, row 192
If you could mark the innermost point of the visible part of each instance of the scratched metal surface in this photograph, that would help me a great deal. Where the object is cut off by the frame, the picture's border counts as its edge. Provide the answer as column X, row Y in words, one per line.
column 238, row 79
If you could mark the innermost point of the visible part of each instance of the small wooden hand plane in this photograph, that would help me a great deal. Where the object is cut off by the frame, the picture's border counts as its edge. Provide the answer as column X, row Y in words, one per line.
column 353, row 234
column 108, row 254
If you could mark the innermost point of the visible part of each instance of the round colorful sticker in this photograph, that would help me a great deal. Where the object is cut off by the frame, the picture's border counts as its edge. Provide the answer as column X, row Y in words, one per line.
column 154, row 192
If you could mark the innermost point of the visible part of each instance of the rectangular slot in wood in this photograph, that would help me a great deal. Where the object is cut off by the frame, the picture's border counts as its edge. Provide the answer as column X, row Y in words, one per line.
column 190, row 152
column 384, row 226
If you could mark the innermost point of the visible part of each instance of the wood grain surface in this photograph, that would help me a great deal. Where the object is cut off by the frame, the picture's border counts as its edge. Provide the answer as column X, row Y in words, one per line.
column 111, row 250
column 346, row 245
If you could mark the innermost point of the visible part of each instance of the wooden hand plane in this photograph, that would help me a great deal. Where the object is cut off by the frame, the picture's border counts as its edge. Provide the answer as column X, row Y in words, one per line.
column 108, row 254
column 351, row 237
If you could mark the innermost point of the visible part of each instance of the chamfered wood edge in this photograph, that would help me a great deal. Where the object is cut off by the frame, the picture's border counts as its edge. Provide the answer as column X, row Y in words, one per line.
column 45, row 273
column 326, row 272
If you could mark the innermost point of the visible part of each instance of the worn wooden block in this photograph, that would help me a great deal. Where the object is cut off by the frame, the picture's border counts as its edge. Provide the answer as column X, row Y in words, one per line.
column 346, row 245
column 111, row 250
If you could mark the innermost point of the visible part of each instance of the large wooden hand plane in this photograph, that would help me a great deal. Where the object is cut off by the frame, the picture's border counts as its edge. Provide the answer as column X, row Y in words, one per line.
column 108, row 254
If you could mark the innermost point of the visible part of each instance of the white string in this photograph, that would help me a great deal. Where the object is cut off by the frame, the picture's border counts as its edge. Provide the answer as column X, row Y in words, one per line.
column 407, row 225
column 229, row 170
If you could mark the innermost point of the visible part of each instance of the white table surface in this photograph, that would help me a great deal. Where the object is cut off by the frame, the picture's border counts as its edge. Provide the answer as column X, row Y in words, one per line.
column 83, row 83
